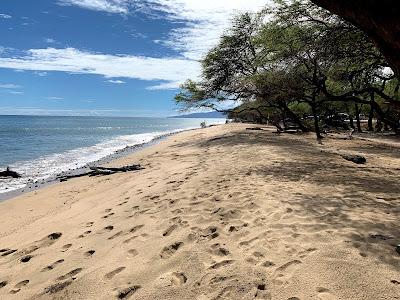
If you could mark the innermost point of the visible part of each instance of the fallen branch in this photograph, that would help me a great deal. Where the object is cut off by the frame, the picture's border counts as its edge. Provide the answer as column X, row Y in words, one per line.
column 102, row 171
column 254, row 128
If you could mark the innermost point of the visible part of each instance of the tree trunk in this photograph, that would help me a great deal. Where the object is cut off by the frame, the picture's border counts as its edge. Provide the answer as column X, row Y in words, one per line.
column 351, row 121
column 370, row 119
column 381, row 117
column 295, row 118
column 284, row 120
column 385, row 127
column 350, row 116
column 316, row 121
column 358, row 117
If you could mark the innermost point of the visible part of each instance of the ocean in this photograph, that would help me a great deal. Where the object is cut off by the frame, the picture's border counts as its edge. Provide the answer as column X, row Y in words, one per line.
column 40, row 147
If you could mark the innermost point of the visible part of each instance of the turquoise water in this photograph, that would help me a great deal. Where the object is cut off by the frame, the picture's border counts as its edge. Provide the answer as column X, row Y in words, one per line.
column 40, row 147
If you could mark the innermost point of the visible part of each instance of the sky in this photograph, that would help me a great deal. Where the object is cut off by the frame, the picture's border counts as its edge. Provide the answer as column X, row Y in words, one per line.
column 105, row 57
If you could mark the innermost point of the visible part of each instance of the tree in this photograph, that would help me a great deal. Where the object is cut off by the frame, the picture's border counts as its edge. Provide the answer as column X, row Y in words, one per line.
column 292, row 55
column 379, row 19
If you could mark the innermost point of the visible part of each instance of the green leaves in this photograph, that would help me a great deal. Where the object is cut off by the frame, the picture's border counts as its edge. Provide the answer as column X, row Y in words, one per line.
column 291, row 57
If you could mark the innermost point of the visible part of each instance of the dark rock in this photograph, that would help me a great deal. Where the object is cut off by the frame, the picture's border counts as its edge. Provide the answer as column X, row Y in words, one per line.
column 358, row 159
column 9, row 173
column 398, row 249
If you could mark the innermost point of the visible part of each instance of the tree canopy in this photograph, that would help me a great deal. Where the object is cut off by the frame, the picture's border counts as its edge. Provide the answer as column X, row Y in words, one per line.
column 296, row 62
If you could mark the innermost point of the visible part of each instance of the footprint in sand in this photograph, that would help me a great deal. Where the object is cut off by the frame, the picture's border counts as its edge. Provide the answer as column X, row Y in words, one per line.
column 127, row 292
column 89, row 224
column 21, row 284
column 288, row 266
column 114, row 272
column 66, row 247
column 108, row 228
column 210, row 232
column 3, row 284
column 53, row 265
column 45, row 242
column 54, row 236
column 5, row 252
column 26, row 258
column 284, row 272
column 136, row 228
column 86, row 233
column 218, row 250
column 130, row 239
column 70, row 274
column 89, row 253
column 170, row 230
column 178, row 279
column 324, row 294
column 107, row 216
column 221, row 264
column 58, row 287
column 268, row 264
column 168, row 251
column 132, row 253
column 116, row 235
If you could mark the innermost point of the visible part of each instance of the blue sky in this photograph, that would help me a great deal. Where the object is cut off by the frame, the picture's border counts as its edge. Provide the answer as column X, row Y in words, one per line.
column 105, row 57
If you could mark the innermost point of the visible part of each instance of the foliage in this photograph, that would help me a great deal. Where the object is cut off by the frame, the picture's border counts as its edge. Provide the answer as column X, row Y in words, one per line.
column 295, row 61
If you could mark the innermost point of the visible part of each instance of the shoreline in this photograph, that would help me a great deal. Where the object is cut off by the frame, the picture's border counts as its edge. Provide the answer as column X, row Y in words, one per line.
column 216, row 213
column 35, row 186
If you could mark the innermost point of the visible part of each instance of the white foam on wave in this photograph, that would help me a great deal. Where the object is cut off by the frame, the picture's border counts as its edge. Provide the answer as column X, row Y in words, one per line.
column 49, row 166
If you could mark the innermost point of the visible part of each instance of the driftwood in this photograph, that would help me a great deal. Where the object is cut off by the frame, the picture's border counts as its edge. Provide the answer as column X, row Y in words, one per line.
column 254, row 128
column 101, row 171
column 9, row 173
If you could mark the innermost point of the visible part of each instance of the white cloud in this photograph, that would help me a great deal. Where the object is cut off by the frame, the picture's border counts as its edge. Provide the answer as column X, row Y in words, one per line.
column 49, row 40
column 201, row 24
column 9, row 86
column 172, row 71
column 16, row 92
column 4, row 16
column 54, row 98
column 165, row 86
column 41, row 74
column 111, row 6
column 203, row 20
column 116, row 81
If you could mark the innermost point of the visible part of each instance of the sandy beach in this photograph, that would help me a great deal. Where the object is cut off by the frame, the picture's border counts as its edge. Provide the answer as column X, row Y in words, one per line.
column 217, row 213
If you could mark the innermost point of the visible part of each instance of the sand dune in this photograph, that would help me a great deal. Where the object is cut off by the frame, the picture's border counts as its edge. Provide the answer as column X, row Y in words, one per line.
column 217, row 213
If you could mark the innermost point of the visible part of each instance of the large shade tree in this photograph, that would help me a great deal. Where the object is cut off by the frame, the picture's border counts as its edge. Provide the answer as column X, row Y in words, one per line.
column 292, row 55
column 378, row 18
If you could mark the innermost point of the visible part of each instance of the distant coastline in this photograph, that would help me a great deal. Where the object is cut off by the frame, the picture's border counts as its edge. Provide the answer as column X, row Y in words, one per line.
column 207, row 115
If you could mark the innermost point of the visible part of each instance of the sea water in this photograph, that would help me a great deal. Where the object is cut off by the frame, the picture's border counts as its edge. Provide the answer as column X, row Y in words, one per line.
column 40, row 147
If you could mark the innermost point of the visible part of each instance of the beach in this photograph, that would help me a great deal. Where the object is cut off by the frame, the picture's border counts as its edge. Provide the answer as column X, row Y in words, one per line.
column 217, row 213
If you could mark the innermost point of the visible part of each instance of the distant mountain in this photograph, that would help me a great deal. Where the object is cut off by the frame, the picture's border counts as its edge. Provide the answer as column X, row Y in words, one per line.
column 206, row 115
